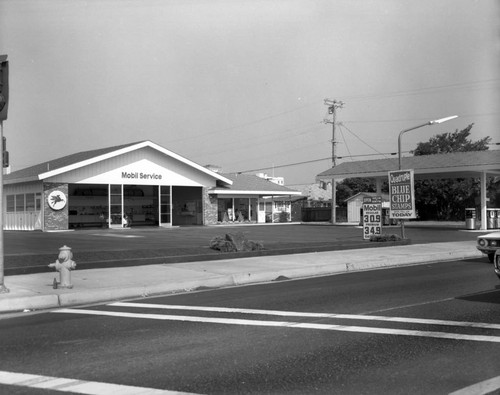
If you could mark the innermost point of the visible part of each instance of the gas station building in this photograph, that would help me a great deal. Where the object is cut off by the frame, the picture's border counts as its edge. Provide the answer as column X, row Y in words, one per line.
column 135, row 184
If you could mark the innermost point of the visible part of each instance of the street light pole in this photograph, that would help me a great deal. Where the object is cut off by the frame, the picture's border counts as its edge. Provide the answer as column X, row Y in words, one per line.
column 428, row 123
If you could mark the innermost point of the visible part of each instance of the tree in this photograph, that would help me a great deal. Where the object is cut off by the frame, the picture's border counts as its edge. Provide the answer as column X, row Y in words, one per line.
column 451, row 142
column 351, row 186
column 447, row 199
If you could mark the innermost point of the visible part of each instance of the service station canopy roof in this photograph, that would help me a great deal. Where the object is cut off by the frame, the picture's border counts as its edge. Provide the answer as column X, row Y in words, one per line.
column 452, row 165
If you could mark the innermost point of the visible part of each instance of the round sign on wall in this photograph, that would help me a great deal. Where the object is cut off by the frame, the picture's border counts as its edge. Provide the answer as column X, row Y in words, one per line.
column 56, row 200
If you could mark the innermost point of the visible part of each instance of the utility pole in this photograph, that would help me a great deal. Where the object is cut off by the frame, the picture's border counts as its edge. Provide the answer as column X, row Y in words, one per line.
column 3, row 288
column 4, row 101
column 332, row 110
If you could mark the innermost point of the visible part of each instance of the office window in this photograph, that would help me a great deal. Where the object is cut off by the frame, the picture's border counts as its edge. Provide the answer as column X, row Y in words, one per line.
column 19, row 203
column 30, row 202
column 11, row 204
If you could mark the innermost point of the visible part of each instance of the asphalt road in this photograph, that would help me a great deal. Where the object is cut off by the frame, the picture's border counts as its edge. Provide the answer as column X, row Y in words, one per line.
column 259, row 341
column 32, row 251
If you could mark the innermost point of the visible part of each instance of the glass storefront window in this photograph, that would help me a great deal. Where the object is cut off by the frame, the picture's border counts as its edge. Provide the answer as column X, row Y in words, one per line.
column 116, row 200
column 11, row 203
column 115, row 204
column 38, row 201
column 19, row 203
column 30, row 202
column 116, row 189
column 165, row 204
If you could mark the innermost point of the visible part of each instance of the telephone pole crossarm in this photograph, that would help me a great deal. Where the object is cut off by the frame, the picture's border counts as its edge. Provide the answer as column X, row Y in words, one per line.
column 333, row 105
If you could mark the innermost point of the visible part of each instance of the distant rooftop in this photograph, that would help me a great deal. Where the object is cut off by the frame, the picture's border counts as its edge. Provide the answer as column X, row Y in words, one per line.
column 248, row 182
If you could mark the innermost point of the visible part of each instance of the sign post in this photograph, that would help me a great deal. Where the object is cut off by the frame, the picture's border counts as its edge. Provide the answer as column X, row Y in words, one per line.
column 372, row 216
column 402, row 196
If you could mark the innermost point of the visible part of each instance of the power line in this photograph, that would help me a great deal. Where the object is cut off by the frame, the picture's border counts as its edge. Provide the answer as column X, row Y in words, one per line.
column 247, row 123
column 359, row 138
column 316, row 160
column 354, row 97
column 287, row 165
column 423, row 90
column 418, row 119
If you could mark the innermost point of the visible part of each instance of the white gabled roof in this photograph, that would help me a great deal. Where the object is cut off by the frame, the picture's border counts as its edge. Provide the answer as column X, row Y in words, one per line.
column 75, row 161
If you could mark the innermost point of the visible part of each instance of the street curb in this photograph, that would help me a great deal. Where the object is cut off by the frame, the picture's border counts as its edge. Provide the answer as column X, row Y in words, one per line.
column 87, row 297
column 38, row 302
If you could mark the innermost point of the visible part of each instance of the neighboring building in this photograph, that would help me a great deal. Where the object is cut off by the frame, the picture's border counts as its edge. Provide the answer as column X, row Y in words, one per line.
column 317, row 195
column 140, row 182
column 253, row 199
column 276, row 180
column 355, row 204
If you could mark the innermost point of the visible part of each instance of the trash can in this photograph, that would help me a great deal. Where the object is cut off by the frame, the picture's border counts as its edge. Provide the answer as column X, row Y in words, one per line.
column 470, row 218
column 491, row 215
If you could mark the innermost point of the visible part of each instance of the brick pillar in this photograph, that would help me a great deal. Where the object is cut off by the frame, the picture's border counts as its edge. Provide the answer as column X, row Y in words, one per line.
column 209, row 208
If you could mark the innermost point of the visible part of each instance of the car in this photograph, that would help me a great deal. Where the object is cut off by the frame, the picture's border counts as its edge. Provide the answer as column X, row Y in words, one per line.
column 496, row 263
column 488, row 244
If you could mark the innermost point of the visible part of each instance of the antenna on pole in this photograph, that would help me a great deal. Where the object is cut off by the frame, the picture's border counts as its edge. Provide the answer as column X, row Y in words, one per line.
column 332, row 110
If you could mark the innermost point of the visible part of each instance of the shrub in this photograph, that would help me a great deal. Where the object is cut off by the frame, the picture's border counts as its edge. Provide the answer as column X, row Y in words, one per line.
column 233, row 243
column 221, row 244
column 385, row 237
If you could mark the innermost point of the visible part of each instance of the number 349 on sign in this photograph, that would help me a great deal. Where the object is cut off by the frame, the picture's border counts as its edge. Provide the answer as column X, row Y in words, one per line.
column 372, row 230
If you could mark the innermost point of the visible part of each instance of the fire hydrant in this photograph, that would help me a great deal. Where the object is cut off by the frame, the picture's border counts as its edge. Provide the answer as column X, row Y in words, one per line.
column 63, row 265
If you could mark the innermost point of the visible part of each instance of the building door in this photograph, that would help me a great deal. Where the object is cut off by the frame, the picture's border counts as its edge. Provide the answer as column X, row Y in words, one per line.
column 115, row 206
column 140, row 205
column 165, row 206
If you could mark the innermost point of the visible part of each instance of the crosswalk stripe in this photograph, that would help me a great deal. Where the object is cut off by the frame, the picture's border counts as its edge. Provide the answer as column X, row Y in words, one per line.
column 280, row 313
column 482, row 388
column 287, row 324
column 116, row 235
column 77, row 386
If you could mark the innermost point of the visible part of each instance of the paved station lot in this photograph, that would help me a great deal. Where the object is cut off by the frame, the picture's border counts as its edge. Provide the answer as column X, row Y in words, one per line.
column 29, row 252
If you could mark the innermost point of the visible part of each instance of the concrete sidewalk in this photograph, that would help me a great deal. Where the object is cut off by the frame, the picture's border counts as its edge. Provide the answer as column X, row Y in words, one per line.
column 35, row 291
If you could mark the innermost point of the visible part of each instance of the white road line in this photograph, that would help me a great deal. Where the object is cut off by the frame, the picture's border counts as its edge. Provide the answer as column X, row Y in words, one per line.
column 77, row 386
column 482, row 388
column 115, row 235
column 311, row 315
column 287, row 324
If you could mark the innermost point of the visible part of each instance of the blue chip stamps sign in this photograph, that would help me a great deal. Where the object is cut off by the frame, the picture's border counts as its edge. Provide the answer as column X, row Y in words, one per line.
column 401, row 194
column 372, row 216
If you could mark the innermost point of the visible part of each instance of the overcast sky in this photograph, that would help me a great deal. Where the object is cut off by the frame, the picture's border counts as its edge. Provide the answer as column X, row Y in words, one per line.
column 241, row 83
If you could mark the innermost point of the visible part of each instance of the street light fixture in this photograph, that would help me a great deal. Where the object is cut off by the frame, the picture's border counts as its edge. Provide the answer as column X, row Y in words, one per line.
column 437, row 121
column 419, row 126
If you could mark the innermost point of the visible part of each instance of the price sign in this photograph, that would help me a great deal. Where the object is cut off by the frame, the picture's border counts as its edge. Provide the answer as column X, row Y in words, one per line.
column 372, row 216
